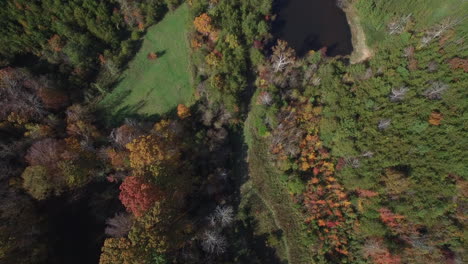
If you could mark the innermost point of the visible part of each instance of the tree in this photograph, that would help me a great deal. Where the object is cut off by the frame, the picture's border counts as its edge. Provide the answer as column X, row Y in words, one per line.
column 132, row 14
column 265, row 98
column 396, row 182
column 282, row 56
column 390, row 219
column 18, row 94
column 436, row 90
column 138, row 195
column 125, row 134
column 36, row 181
column 151, row 151
column 223, row 215
column 213, row 242
column 119, row 225
column 46, row 152
column 398, row 94
column 183, row 111
column 203, row 25
column 435, row 118
column 53, row 98
column 119, row 251
column 384, row 124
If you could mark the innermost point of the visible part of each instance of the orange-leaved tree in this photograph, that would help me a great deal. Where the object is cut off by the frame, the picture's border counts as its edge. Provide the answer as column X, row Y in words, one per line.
column 203, row 25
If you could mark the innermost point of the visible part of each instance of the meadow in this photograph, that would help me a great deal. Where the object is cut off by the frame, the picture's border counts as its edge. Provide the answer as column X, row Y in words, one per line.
column 155, row 86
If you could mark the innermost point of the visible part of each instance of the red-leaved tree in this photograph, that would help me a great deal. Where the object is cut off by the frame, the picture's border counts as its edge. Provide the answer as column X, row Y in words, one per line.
column 138, row 195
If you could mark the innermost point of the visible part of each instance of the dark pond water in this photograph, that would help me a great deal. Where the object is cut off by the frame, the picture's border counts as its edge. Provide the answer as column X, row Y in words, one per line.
column 311, row 25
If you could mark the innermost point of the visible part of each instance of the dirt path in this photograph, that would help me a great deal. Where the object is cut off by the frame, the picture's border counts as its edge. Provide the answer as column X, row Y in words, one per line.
column 361, row 51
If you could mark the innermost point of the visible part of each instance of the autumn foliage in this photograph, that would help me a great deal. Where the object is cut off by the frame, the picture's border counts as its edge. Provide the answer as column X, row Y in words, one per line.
column 152, row 56
column 146, row 151
column 138, row 195
column 435, row 118
column 202, row 24
column 183, row 111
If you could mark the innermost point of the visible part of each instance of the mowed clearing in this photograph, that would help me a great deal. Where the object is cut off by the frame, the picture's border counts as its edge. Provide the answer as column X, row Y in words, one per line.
column 149, row 87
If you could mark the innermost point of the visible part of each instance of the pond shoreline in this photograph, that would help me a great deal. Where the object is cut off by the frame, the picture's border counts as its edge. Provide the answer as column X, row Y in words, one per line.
column 361, row 51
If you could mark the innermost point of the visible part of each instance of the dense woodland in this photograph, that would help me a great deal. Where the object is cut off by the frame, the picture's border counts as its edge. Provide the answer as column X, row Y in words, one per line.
column 356, row 163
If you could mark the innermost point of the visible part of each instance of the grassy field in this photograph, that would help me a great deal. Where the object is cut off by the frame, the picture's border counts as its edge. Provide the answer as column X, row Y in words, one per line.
column 151, row 87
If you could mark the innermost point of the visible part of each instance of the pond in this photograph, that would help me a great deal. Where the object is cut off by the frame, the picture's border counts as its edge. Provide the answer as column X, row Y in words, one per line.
column 311, row 25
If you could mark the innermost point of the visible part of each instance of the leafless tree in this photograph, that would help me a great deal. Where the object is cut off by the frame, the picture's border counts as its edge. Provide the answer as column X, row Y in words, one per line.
column 409, row 52
column 353, row 162
column 316, row 81
column 398, row 25
column 432, row 66
column 367, row 74
column 123, row 135
column 438, row 30
column 280, row 62
column 368, row 154
column 119, row 225
column 45, row 152
column 384, row 124
column 282, row 56
column 265, row 98
column 436, row 90
column 18, row 94
column 398, row 94
column 213, row 242
column 224, row 215
column 287, row 134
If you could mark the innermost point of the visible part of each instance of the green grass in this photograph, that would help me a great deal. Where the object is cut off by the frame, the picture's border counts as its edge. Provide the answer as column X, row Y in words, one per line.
column 153, row 87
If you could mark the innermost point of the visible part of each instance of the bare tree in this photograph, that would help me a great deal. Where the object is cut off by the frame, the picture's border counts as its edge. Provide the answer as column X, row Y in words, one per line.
column 398, row 25
column 438, row 30
column 432, row 66
column 213, row 242
column 119, row 225
column 224, row 215
column 124, row 134
column 45, row 152
column 18, row 94
column 436, row 90
column 316, row 81
column 384, row 124
column 265, row 98
column 353, row 162
column 368, row 154
column 398, row 94
column 282, row 56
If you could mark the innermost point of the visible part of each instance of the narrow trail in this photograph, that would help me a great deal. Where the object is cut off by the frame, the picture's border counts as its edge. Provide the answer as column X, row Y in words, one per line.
column 251, row 190
column 361, row 51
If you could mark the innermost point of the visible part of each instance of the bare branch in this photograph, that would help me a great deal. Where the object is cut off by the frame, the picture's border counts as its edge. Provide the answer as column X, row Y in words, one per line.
column 213, row 242
column 384, row 124
column 436, row 90
column 398, row 94
column 119, row 225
